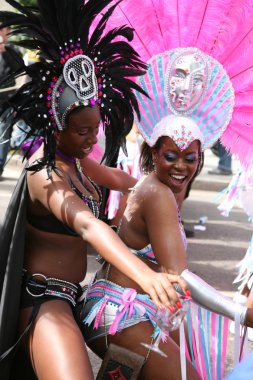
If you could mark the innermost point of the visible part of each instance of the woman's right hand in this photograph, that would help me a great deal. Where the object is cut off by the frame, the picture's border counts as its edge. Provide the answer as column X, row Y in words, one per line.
column 160, row 287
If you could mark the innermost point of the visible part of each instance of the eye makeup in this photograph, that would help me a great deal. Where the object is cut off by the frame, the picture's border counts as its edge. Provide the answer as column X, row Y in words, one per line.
column 170, row 156
column 191, row 157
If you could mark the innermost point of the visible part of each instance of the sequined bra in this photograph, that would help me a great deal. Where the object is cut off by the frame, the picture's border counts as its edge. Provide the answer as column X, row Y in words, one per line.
column 92, row 203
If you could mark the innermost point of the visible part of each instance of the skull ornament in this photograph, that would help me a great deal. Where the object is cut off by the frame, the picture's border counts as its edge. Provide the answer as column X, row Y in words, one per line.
column 79, row 74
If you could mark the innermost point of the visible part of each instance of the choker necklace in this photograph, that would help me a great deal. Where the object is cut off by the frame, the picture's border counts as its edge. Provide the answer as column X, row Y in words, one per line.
column 65, row 157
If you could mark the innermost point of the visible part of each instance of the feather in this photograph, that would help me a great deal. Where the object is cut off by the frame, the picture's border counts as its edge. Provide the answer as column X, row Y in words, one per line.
column 222, row 29
column 147, row 23
column 49, row 29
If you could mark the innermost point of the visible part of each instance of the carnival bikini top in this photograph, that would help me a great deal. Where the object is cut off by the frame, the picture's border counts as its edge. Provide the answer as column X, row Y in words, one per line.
column 147, row 251
column 49, row 223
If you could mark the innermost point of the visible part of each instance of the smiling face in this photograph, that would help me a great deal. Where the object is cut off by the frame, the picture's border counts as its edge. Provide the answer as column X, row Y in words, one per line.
column 175, row 168
column 78, row 138
column 187, row 79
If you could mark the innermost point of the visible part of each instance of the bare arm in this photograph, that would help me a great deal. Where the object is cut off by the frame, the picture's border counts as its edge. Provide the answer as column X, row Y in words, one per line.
column 161, row 218
column 160, row 213
column 112, row 178
column 59, row 199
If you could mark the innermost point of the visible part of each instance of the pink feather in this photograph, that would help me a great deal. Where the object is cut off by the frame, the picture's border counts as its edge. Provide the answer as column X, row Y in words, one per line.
column 220, row 28
column 96, row 153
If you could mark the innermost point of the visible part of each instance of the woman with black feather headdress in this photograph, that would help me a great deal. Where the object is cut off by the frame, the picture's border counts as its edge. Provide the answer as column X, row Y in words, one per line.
column 82, row 77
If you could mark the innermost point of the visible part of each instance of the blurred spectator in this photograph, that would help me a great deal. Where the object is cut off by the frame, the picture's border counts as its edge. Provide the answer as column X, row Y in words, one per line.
column 225, row 160
column 19, row 134
column 7, row 65
column 116, row 202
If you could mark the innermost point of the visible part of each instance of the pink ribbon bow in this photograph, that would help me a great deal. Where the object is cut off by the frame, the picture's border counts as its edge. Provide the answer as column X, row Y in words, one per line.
column 125, row 309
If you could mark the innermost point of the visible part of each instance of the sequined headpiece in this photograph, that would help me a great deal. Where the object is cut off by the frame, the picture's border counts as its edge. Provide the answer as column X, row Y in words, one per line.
column 192, row 98
column 181, row 129
column 79, row 65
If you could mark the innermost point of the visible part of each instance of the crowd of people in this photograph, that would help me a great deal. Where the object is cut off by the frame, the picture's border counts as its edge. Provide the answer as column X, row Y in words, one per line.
column 89, row 75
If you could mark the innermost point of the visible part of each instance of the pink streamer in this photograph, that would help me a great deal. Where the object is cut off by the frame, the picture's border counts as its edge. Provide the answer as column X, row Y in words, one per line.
column 127, row 305
column 201, row 353
column 100, row 312
column 195, row 352
column 213, row 346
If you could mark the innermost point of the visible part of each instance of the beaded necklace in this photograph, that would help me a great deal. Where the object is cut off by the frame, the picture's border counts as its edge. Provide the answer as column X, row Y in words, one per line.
column 91, row 202
column 78, row 167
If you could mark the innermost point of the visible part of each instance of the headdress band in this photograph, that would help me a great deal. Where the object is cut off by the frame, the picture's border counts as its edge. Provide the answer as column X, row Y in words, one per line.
column 182, row 130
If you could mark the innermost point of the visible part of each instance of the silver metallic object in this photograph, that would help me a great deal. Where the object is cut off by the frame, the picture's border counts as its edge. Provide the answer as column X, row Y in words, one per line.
column 79, row 74
column 208, row 297
column 186, row 80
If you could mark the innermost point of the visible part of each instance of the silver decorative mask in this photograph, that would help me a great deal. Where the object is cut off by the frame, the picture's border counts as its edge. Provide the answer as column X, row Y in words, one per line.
column 186, row 80
column 79, row 74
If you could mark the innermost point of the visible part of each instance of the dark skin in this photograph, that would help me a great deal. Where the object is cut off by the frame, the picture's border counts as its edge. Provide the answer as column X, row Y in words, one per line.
column 151, row 216
column 61, row 256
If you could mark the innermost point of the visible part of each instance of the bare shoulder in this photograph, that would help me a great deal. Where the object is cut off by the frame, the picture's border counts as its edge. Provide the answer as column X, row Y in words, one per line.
column 155, row 201
column 150, row 189
column 41, row 186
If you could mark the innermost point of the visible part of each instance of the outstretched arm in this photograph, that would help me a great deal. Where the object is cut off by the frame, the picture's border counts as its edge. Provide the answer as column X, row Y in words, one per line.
column 112, row 178
column 57, row 196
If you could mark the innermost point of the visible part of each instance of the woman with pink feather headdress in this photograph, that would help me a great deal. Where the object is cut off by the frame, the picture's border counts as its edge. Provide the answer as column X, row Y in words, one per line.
column 200, row 84
column 222, row 29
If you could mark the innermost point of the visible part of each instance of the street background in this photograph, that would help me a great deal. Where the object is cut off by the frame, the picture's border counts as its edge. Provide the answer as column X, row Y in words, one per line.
column 212, row 254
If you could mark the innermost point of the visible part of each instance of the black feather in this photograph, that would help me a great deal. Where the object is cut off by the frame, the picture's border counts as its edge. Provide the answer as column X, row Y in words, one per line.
column 46, row 28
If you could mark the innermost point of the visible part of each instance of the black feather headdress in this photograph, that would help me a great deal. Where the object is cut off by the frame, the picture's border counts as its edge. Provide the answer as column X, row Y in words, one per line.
column 61, row 31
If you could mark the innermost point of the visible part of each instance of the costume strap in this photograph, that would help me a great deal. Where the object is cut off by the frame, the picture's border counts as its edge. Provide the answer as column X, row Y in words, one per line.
column 12, row 349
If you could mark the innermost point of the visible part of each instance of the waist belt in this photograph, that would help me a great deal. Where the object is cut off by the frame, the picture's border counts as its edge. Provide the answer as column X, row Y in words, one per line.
column 38, row 285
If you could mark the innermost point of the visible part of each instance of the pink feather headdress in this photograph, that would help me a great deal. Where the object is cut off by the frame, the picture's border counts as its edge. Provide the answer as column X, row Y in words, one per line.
column 222, row 29
column 191, row 98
